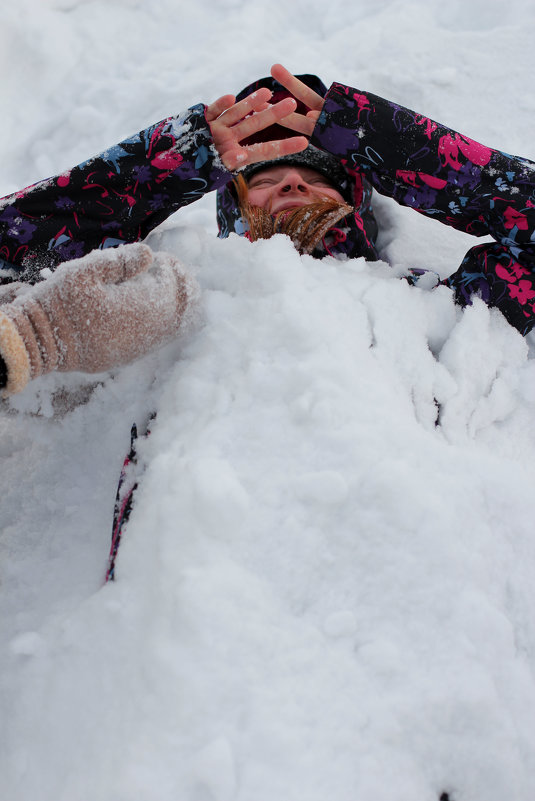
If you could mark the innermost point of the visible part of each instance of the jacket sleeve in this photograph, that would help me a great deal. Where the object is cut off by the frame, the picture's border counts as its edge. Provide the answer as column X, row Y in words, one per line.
column 116, row 197
column 449, row 177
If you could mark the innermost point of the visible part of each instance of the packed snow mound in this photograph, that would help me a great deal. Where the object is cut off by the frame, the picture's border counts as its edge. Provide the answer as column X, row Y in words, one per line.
column 326, row 588
column 326, row 585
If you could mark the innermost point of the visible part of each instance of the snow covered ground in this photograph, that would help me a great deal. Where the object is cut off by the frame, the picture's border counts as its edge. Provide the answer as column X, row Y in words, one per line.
column 321, row 593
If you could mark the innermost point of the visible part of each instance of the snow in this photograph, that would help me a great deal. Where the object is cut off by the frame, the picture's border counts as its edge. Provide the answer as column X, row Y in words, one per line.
column 321, row 593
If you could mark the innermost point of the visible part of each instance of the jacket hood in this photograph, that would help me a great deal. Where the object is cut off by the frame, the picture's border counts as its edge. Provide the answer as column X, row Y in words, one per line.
column 354, row 235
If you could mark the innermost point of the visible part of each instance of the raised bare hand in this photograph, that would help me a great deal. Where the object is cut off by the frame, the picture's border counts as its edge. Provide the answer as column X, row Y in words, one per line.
column 230, row 122
column 302, row 92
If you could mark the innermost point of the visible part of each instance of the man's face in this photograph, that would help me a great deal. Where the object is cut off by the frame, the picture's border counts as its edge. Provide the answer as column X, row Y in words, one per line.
column 278, row 188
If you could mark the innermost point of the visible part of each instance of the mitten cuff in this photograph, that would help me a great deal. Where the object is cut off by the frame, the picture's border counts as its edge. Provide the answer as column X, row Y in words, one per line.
column 15, row 356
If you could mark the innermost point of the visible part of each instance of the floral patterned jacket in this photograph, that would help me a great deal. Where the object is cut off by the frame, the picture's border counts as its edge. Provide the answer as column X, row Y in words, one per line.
column 120, row 195
column 116, row 197
column 450, row 178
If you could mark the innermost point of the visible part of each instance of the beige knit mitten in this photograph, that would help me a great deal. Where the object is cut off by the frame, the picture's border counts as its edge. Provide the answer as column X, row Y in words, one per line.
column 101, row 311
column 8, row 292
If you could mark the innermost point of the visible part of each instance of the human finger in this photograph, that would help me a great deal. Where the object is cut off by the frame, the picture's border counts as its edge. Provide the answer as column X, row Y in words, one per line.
column 215, row 109
column 263, row 119
column 298, row 89
column 253, row 102
column 264, row 151
column 299, row 122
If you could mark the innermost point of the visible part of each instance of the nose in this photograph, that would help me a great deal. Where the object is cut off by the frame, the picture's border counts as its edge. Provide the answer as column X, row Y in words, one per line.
column 293, row 182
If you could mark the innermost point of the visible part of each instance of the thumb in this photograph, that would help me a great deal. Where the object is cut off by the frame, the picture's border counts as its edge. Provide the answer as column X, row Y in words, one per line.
column 115, row 265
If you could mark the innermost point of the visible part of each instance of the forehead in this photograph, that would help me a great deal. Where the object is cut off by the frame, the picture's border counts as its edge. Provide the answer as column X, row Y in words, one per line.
column 279, row 173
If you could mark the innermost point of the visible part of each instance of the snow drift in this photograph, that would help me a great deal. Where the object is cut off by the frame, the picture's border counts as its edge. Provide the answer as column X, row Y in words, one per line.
column 326, row 586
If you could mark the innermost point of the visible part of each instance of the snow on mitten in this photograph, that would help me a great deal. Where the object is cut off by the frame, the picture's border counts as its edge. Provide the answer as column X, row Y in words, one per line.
column 8, row 292
column 94, row 313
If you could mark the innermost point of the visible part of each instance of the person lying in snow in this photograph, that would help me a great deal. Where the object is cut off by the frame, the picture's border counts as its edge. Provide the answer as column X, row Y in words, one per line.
column 316, row 187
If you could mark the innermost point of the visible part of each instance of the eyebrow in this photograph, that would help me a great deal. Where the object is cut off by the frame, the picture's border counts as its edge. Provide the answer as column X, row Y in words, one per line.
column 261, row 176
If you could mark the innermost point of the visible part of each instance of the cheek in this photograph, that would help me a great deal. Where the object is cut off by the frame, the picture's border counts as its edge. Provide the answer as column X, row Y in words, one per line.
column 334, row 194
column 259, row 197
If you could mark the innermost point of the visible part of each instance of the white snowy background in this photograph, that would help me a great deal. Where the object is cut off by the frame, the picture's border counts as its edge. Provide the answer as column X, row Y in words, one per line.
column 321, row 594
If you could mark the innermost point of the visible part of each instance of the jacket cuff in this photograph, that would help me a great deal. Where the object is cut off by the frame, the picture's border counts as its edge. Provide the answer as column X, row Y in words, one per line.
column 195, row 151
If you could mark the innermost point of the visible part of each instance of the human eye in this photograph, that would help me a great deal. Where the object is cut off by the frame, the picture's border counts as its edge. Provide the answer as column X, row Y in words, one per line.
column 261, row 182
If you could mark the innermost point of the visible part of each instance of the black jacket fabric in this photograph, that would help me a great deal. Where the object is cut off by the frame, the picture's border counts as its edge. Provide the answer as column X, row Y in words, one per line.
column 120, row 195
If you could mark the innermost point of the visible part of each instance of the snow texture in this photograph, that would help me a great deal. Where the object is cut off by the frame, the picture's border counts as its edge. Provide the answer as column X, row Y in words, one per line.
column 326, row 588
